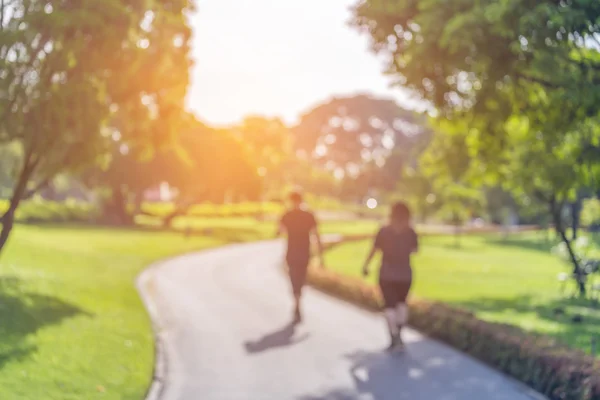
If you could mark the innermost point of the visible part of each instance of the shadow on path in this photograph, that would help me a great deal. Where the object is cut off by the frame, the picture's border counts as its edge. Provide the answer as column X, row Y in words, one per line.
column 282, row 337
column 421, row 372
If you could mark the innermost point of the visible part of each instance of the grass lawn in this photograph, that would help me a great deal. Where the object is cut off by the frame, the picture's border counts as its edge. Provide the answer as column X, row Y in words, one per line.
column 513, row 282
column 72, row 324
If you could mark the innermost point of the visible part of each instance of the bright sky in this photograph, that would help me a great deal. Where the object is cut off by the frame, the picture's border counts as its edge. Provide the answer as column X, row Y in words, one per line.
column 277, row 58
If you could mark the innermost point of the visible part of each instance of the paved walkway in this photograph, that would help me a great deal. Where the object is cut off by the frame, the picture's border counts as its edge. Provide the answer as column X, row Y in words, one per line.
column 223, row 321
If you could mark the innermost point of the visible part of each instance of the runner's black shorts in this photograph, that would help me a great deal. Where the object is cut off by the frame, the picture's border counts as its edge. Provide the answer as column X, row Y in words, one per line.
column 394, row 292
column 298, row 268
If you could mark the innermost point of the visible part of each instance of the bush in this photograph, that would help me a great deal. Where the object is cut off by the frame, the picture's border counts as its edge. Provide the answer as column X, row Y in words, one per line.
column 552, row 369
column 590, row 213
column 38, row 210
column 208, row 210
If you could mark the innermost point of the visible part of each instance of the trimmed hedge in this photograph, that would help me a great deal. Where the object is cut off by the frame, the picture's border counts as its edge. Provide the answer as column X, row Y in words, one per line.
column 44, row 211
column 552, row 369
column 208, row 210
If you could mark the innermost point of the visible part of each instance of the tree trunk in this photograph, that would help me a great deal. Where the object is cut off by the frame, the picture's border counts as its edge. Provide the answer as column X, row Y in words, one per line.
column 179, row 211
column 8, row 219
column 168, row 220
column 138, row 201
column 556, row 211
column 456, row 230
column 118, row 207
column 575, row 217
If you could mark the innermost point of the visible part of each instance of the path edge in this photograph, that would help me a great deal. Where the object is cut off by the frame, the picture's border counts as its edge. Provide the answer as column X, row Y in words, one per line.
column 334, row 240
column 159, row 368
column 157, row 385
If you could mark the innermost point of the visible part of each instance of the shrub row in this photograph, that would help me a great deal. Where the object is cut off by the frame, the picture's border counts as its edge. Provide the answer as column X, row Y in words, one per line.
column 44, row 211
column 552, row 369
column 250, row 209
column 215, row 210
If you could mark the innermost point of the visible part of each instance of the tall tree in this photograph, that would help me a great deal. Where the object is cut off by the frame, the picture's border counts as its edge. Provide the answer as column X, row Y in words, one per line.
column 416, row 188
column 485, row 58
column 269, row 141
column 363, row 139
column 76, row 75
column 551, row 172
column 450, row 165
column 9, row 161
column 348, row 132
column 123, row 179
column 506, row 68
column 208, row 164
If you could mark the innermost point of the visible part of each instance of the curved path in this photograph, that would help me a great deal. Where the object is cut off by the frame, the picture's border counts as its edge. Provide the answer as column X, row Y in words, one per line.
column 222, row 319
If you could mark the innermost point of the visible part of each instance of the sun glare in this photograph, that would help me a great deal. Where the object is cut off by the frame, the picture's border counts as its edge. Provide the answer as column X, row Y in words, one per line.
column 372, row 203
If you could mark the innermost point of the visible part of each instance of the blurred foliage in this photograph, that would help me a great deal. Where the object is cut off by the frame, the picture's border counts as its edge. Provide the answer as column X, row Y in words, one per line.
column 62, row 106
column 590, row 214
column 517, row 83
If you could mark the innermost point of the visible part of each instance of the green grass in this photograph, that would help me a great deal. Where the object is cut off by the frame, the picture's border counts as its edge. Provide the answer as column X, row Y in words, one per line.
column 513, row 282
column 72, row 324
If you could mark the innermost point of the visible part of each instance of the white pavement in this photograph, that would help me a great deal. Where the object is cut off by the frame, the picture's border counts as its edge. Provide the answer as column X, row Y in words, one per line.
column 222, row 316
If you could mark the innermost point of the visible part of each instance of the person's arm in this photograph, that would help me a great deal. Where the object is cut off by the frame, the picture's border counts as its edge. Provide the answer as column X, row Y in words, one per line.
column 415, row 246
column 317, row 235
column 374, row 248
column 368, row 260
column 280, row 227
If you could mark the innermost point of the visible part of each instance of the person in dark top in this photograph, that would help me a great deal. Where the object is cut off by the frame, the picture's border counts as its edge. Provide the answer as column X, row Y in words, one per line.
column 397, row 241
column 299, row 224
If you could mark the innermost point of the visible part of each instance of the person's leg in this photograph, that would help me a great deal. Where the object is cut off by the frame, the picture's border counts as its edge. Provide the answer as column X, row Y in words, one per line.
column 296, row 292
column 402, row 307
column 298, row 272
column 389, row 311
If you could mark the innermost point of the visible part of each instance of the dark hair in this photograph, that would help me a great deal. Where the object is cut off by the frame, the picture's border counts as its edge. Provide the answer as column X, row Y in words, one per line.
column 295, row 197
column 400, row 212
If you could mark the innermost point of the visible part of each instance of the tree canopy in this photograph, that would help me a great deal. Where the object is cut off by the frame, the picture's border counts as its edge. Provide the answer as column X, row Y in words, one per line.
column 525, row 94
column 363, row 139
column 62, row 104
column 349, row 132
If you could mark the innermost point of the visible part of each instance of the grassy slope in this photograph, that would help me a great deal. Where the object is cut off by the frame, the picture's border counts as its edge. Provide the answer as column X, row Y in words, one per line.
column 73, row 326
column 512, row 282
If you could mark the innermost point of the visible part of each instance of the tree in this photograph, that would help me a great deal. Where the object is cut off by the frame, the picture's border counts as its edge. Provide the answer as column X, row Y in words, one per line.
column 451, row 166
column 551, row 172
column 463, row 54
column 524, row 76
column 9, row 162
column 348, row 132
column 362, row 140
column 222, row 165
column 60, row 102
column 123, row 179
column 416, row 188
column 590, row 214
column 269, row 141
column 201, row 164
column 486, row 61
column 301, row 172
column 206, row 164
